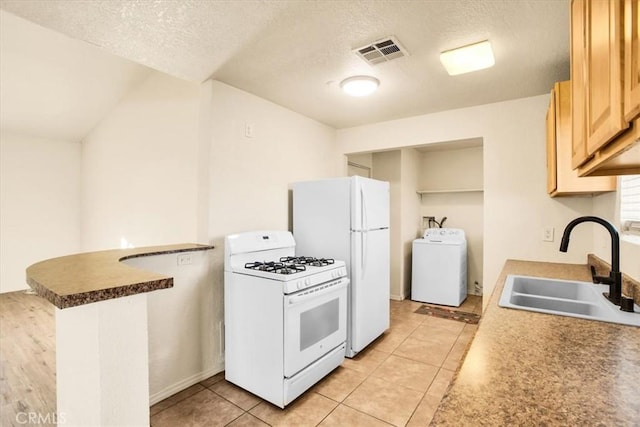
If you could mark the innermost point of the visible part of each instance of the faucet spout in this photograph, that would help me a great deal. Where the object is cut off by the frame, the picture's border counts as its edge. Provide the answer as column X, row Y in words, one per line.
column 615, row 276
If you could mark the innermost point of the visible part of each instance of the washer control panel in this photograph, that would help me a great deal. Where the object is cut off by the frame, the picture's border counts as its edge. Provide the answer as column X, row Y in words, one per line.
column 444, row 234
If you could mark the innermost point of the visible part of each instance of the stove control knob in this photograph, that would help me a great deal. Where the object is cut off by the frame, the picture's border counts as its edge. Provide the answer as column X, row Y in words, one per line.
column 307, row 281
column 300, row 285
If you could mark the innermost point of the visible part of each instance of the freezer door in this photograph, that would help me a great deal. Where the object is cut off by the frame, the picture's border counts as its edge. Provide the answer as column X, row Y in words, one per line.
column 369, row 286
column 370, row 204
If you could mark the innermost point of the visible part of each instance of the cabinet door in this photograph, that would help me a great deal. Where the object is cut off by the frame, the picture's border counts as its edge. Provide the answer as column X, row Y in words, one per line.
column 631, row 60
column 562, row 180
column 578, row 83
column 551, row 145
column 604, row 75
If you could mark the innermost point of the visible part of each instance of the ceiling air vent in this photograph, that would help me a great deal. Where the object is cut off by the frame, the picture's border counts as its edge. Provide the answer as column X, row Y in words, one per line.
column 381, row 51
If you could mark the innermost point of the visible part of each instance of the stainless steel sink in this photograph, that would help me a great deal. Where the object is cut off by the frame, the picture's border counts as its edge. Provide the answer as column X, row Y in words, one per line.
column 564, row 298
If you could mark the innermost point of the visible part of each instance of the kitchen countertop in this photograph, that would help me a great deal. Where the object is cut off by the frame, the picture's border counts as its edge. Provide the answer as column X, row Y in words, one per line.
column 89, row 277
column 526, row 368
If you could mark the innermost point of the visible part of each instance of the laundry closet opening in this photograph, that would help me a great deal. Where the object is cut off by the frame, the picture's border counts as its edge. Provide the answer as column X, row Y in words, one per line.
column 437, row 180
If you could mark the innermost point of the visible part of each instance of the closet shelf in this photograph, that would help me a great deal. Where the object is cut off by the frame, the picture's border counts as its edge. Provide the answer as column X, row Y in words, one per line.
column 460, row 190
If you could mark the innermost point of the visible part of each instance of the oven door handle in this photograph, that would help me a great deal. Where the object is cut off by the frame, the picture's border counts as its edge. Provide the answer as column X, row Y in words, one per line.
column 311, row 294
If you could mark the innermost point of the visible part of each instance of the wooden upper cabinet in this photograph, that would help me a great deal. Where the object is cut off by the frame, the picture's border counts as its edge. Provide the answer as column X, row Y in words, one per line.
column 578, row 82
column 605, row 86
column 604, row 72
column 631, row 60
column 562, row 179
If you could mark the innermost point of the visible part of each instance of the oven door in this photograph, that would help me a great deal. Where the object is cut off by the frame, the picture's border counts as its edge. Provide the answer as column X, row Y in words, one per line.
column 315, row 322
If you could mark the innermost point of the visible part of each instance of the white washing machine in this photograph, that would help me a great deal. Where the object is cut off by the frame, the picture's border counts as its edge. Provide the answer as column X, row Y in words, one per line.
column 439, row 267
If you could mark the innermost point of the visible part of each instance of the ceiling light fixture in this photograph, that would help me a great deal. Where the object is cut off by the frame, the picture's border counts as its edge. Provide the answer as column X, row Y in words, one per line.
column 359, row 85
column 465, row 59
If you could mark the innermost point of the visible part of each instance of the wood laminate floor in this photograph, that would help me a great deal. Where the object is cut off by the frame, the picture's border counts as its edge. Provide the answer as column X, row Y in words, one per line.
column 27, row 360
column 398, row 380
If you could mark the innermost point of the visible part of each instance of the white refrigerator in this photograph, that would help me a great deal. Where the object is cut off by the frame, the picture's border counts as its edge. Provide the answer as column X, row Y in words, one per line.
column 348, row 219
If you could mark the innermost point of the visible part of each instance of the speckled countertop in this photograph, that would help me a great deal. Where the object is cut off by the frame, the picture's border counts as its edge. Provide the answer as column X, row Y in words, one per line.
column 84, row 278
column 530, row 369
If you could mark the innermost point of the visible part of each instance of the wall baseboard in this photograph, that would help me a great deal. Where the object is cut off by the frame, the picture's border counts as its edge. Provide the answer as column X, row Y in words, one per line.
column 185, row 383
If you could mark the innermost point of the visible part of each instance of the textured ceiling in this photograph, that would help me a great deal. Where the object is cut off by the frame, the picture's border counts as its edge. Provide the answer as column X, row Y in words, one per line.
column 55, row 87
column 295, row 53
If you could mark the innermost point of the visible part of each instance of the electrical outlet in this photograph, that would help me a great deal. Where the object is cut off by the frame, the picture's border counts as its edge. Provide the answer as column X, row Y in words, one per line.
column 185, row 259
column 547, row 234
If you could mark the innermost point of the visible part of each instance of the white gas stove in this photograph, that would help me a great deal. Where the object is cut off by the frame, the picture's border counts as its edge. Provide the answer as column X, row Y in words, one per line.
column 296, row 272
column 285, row 315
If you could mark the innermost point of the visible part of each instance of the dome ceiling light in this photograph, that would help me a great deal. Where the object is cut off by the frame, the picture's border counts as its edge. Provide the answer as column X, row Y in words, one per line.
column 359, row 85
column 465, row 59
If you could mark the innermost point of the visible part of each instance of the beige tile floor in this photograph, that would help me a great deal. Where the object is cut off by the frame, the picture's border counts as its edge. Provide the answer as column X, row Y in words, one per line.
column 398, row 380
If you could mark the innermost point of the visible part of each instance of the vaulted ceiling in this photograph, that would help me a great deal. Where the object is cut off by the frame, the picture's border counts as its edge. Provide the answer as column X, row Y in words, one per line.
column 293, row 53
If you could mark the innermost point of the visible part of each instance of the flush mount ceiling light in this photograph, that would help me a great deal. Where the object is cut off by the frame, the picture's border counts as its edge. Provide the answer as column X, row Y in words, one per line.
column 359, row 85
column 465, row 59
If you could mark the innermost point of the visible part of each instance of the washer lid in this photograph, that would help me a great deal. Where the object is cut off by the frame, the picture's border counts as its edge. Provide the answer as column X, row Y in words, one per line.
column 444, row 235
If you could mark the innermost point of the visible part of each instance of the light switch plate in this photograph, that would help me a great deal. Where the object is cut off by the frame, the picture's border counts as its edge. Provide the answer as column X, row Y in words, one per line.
column 248, row 130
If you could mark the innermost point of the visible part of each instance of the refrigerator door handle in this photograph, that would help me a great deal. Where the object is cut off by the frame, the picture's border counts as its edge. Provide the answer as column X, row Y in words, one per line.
column 363, row 254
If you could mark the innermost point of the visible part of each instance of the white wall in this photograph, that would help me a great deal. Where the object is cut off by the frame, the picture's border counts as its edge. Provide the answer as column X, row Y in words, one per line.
column 39, row 204
column 142, row 182
column 363, row 159
column 250, row 178
column 140, row 168
column 411, row 219
column 451, row 170
column 400, row 169
column 516, row 204
column 183, row 323
column 360, row 165
column 465, row 211
column 386, row 167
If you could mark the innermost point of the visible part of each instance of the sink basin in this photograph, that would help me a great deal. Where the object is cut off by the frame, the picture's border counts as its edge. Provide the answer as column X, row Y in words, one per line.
column 564, row 298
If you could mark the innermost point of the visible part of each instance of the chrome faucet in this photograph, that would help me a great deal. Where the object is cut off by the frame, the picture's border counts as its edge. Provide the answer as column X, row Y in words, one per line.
column 615, row 276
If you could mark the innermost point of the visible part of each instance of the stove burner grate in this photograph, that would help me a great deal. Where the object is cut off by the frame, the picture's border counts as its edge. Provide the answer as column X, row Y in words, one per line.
column 276, row 267
column 306, row 260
